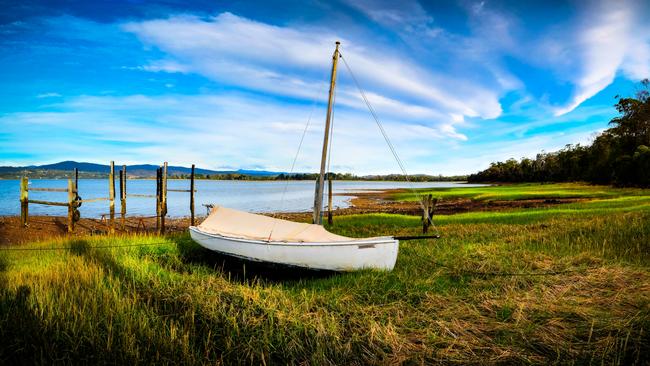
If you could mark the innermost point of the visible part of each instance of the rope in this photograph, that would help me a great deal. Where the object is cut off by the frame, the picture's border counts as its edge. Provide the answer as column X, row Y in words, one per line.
column 89, row 247
column 390, row 144
column 295, row 158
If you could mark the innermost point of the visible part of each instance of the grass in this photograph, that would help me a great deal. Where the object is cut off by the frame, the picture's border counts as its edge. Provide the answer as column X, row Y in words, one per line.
column 564, row 284
column 525, row 191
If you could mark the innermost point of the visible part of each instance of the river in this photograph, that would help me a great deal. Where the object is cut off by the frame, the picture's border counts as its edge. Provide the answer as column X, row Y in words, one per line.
column 252, row 196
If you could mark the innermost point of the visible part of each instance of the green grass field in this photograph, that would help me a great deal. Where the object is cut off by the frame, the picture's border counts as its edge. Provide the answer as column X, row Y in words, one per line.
column 566, row 284
column 526, row 191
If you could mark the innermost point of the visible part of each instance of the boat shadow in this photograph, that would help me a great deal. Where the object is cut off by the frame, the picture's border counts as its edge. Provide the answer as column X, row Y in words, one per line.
column 243, row 270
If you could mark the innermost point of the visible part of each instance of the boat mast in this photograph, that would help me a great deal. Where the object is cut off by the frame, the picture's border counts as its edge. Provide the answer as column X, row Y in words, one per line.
column 318, row 197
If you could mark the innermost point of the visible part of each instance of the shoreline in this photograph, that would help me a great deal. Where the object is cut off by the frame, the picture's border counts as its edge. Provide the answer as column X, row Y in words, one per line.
column 42, row 227
column 263, row 180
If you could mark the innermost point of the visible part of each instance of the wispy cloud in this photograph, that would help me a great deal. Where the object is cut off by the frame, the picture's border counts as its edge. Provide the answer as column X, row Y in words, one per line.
column 457, row 85
column 48, row 95
column 294, row 62
column 405, row 17
column 214, row 131
column 613, row 37
column 603, row 44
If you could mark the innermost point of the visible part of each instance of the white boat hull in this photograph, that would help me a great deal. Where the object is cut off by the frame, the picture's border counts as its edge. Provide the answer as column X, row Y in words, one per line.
column 376, row 253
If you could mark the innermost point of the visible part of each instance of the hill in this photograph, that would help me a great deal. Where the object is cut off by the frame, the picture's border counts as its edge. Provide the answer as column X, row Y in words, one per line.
column 91, row 170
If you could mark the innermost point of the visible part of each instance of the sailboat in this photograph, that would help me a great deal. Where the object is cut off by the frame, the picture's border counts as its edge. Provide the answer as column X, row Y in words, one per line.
column 262, row 238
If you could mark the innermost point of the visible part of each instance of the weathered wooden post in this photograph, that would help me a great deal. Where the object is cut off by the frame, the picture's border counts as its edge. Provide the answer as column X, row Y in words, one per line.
column 164, row 186
column 72, row 195
column 24, row 201
column 329, row 198
column 158, row 199
column 111, row 196
column 163, row 196
column 192, row 196
column 123, row 195
column 76, row 178
column 428, row 205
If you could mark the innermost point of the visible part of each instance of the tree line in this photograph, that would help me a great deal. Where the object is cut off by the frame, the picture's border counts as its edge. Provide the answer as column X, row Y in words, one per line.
column 619, row 155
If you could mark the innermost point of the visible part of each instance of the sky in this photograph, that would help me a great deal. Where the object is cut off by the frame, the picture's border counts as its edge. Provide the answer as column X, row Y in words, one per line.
column 235, row 84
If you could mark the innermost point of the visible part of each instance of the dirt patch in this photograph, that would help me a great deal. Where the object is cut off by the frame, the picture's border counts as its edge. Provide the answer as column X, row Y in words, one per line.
column 380, row 201
column 50, row 227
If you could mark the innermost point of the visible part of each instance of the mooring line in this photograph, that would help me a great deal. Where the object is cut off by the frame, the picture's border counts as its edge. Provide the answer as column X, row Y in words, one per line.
column 389, row 143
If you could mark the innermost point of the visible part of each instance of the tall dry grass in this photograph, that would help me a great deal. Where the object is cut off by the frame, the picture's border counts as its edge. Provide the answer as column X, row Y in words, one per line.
column 568, row 284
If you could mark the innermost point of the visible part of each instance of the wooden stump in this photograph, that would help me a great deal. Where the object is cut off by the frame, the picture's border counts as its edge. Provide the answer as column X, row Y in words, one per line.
column 428, row 206
column 24, row 201
column 192, row 196
column 158, row 199
column 111, row 196
column 72, row 195
column 123, row 195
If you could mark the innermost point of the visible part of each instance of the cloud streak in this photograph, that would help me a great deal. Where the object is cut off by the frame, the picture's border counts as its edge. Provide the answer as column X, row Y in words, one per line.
column 293, row 62
column 457, row 85
column 214, row 131
column 612, row 38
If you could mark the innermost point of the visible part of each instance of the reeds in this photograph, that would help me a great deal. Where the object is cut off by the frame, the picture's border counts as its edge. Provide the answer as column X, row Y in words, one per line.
column 564, row 284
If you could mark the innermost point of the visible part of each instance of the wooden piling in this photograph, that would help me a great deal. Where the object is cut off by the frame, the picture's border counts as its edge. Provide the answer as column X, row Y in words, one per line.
column 76, row 178
column 111, row 196
column 163, row 195
column 121, row 185
column 192, row 196
column 158, row 199
column 72, row 195
column 329, row 199
column 24, row 201
column 123, row 195
column 428, row 205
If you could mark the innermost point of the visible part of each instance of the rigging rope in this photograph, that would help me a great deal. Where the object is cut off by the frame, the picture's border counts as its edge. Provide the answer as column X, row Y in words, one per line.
column 390, row 145
column 295, row 158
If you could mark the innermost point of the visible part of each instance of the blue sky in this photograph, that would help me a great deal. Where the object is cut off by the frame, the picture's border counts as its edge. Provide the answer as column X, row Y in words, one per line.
column 457, row 84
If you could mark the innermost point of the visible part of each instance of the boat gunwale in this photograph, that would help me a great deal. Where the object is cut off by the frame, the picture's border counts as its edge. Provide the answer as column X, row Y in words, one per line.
column 376, row 240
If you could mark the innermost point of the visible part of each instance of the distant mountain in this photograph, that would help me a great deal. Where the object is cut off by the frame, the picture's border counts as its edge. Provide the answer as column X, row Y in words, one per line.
column 257, row 172
column 139, row 170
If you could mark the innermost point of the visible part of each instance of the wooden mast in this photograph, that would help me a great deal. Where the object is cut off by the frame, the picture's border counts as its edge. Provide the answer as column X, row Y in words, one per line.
column 318, row 198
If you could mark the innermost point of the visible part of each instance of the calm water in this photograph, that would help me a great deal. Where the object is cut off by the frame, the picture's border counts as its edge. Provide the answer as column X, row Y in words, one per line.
column 263, row 196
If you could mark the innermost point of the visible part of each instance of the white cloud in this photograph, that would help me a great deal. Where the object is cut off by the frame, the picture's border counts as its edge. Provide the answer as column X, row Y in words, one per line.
column 165, row 66
column 215, row 131
column 406, row 16
column 479, row 156
column 434, row 90
column 295, row 62
column 48, row 95
column 636, row 64
column 612, row 38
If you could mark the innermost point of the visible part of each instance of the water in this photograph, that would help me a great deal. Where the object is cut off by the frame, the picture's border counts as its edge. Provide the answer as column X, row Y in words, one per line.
column 251, row 196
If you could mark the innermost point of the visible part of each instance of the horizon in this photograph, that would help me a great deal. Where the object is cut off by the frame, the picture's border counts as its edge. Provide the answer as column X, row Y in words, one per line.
column 457, row 85
column 238, row 170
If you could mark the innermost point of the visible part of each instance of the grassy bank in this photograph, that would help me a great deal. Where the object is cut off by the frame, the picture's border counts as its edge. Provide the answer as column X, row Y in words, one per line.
column 526, row 191
column 571, row 282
